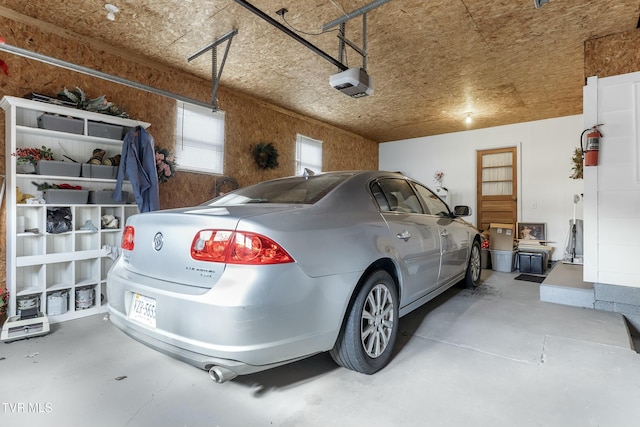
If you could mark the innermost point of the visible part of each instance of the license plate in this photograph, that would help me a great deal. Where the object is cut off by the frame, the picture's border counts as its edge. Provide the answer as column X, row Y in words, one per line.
column 143, row 310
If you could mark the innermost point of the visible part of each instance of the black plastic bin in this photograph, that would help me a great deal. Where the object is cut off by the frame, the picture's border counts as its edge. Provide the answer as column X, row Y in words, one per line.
column 530, row 262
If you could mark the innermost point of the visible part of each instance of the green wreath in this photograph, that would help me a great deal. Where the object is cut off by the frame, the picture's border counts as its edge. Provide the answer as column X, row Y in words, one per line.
column 265, row 155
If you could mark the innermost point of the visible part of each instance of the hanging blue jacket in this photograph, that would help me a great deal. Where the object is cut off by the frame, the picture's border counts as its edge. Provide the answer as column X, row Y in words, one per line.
column 138, row 163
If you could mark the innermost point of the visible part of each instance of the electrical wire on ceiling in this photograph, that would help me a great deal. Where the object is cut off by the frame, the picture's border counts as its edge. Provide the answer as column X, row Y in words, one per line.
column 340, row 8
column 282, row 12
column 282, row 15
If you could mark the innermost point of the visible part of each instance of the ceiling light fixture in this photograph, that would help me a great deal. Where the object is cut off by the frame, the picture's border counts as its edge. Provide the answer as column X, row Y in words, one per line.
column 111, row 11
column 468, row 120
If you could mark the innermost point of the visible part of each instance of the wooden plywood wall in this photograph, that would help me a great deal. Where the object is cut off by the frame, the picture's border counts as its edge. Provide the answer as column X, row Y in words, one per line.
column 612, row 55
column 248, row 121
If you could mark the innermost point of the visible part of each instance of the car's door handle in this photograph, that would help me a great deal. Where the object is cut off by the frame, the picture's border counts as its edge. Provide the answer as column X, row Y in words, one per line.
column 404, row 235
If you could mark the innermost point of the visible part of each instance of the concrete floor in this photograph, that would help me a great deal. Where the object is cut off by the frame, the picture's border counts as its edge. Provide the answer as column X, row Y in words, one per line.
column 494, row 356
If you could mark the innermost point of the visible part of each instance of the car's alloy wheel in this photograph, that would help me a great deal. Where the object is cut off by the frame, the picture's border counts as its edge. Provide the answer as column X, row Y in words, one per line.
column 472, row 278
column 366, row 341
column 376, row 324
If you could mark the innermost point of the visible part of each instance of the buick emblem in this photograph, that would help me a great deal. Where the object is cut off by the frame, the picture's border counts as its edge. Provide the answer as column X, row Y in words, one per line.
column 157, row 241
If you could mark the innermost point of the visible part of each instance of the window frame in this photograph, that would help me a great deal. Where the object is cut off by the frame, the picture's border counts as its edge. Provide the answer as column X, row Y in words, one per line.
column 217, row 147
column 300, row 163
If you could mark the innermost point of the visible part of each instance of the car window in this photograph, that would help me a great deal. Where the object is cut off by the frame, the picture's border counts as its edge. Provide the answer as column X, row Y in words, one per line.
column 295, row 190
column 434, row 205
column 396, row 195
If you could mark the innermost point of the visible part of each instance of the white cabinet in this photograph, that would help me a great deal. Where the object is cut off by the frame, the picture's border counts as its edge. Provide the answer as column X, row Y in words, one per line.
column 64, row 273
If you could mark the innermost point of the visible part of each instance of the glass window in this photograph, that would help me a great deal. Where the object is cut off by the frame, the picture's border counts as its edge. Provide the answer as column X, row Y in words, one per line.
column 398, row 196
column 434, row 205
column 295, row 190
column 199, row 138
column 308, row 154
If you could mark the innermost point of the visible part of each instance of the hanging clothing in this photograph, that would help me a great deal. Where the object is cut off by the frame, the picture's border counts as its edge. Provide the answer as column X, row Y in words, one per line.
column 138, row 163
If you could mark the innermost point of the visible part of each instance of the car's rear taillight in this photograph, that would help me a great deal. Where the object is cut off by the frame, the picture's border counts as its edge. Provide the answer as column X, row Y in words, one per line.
column 237, row 247
column 127, row 238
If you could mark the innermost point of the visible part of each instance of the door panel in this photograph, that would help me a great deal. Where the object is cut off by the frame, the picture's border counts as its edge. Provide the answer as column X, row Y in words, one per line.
column 454, row 246
column 497, row 187
column 454, row 240
column 418, row 247
column 415, row 237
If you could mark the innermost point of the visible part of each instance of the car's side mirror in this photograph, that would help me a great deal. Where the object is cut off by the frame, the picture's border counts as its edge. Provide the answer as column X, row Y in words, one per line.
column 462, row 210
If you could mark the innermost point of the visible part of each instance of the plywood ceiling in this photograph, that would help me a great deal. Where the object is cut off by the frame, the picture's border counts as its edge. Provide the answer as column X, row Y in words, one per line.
column 432, row 61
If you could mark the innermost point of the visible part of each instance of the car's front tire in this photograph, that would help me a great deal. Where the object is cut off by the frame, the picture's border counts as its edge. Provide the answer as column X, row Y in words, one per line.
column 369, row 332
column 472, row 278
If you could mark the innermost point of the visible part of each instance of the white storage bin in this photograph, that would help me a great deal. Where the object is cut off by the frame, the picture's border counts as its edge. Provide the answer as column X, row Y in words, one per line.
column 503, row 260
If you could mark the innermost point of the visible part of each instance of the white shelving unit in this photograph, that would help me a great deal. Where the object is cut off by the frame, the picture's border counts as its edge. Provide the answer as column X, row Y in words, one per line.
column 47, row 267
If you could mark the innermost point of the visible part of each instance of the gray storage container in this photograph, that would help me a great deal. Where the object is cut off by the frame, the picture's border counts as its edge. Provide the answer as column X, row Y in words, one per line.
column 57, row 168
column 56, row 196
column 105, row 130
column 105, row 197
column 61, row 124
column 99, row 171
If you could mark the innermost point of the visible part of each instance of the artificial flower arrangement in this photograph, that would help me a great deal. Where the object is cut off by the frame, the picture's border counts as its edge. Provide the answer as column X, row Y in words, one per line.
column 438, row 177
column 576, row 164
column 83, row 102
column 165, row 164
column 33, row 155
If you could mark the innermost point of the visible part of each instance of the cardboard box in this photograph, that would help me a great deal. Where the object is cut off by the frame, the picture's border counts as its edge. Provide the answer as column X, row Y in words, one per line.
column 501, row 237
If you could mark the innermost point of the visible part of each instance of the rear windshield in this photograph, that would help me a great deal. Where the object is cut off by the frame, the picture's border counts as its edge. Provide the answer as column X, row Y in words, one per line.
column 295, row 190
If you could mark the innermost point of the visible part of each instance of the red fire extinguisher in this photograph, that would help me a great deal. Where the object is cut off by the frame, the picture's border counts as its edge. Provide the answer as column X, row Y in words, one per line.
column 590, row 152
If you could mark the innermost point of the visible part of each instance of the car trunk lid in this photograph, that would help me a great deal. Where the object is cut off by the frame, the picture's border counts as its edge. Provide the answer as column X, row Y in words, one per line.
column 163, row 239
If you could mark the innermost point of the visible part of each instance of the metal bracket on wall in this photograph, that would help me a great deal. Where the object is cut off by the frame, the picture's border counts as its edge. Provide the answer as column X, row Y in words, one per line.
column 215, row 73
column 342, row 31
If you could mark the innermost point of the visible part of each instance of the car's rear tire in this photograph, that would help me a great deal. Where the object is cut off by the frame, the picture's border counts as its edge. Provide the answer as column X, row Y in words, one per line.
column 472, row 278
column 369, row 331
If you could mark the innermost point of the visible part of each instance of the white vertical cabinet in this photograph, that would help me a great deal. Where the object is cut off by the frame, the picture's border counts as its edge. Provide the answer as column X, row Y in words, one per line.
column 64, row 273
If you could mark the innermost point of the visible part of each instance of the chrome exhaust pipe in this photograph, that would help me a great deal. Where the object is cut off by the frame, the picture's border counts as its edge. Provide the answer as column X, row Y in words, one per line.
column 221, row 375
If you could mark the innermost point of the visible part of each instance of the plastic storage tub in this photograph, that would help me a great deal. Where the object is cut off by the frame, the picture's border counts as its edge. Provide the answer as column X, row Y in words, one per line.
column 503, row 260
column 61, row 124
column 65, row 197
column 99, row 171
column 105, row 197
column 530, row 262
column 57, row 168
column 105, row 130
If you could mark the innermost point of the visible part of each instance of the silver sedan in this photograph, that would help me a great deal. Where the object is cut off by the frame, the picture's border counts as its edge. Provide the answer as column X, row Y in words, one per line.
column 284, row 269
